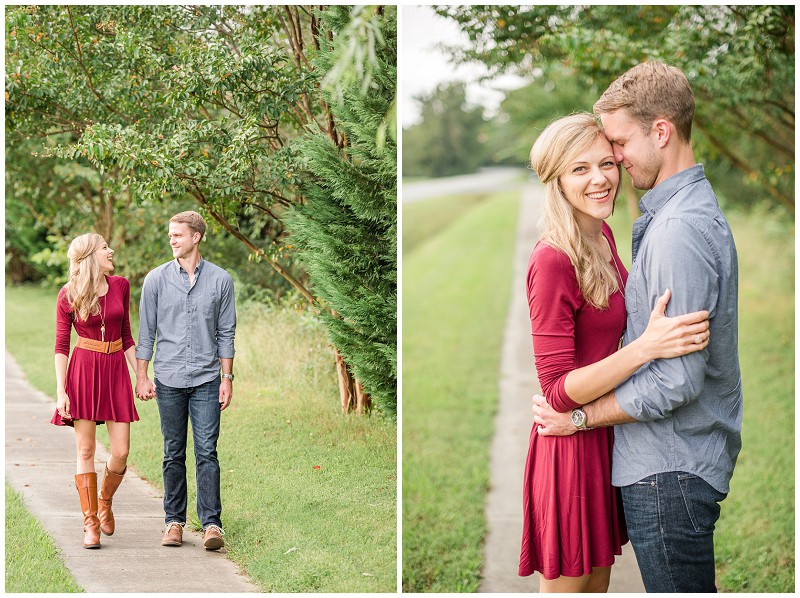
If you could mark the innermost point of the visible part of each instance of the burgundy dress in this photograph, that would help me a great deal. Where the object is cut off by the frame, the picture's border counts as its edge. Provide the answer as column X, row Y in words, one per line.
column 572, row 515
column 98, row 385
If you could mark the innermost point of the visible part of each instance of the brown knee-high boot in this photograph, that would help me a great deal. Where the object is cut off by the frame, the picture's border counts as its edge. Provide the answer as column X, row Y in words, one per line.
column 86, row 483
column 111, row 482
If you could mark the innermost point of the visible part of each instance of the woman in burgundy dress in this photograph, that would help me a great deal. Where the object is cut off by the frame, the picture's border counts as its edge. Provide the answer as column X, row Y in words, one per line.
column 573, row 521
column 95, row 387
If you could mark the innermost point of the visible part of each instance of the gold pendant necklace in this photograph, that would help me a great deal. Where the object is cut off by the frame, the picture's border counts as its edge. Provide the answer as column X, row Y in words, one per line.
column 103, row 321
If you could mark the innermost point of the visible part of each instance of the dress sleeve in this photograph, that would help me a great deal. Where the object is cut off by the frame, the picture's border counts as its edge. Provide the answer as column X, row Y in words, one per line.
column 127, row 337
column 64, row 317
column 553, row 300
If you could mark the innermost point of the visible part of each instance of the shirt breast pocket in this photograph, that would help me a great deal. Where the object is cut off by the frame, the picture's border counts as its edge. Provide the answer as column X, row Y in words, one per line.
column 209, row 304
column 631, row 290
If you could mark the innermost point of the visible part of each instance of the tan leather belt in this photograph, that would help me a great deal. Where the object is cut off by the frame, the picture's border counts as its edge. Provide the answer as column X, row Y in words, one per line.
column 99, row 346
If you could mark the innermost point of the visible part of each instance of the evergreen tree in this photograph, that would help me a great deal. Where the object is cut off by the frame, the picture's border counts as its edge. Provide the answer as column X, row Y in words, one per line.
column 346, row 231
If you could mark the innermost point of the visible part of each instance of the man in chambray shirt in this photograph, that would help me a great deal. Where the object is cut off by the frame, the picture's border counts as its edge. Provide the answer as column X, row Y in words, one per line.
column 187, row 305
column 674, row 456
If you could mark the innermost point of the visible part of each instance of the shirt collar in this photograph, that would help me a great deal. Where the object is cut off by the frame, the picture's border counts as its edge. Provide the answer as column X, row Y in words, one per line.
column 197, row 269
column 658, row 196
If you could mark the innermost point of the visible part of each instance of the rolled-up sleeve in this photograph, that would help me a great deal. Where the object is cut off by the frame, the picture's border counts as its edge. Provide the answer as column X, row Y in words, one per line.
column 226, row 324
column 678, row 257
column 148, row 318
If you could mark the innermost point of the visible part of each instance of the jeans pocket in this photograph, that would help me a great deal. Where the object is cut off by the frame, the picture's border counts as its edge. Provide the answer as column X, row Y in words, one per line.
column 701, row 501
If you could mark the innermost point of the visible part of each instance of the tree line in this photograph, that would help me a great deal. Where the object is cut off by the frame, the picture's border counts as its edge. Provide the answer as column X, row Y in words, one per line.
column 739, row 60
column 275, row 122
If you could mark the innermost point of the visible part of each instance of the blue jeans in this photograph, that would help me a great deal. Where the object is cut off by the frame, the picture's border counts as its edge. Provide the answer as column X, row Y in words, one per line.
column 671, row 519
column 176, row 406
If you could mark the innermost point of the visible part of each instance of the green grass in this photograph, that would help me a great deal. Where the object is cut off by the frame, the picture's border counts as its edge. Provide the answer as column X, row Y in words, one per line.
column 755, row 537
column 424, row 219
column 456, row 290
column 454, row 299
column 309, row 496
column 32, row 562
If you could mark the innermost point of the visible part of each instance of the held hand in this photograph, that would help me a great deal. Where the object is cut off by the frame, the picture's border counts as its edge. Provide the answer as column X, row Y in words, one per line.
column 551, row 422
column 145, row 389
column 63, row 405
column 667, row 337
column 225, row 393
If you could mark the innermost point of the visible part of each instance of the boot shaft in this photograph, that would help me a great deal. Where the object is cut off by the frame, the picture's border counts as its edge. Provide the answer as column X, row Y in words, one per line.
column 86, row 483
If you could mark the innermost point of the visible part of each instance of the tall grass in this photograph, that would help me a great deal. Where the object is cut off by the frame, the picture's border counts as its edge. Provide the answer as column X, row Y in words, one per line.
column 456, row 289
column 309, row 496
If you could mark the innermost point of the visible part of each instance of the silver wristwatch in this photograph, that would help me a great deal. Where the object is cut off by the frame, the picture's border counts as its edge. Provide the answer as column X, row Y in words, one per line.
column 228, row 376
column 578, row 417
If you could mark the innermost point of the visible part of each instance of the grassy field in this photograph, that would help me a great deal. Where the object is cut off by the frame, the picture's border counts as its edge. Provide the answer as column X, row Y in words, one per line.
column 454, row 298
column 27, row 542
column 755, row 538
column 309, row 496
column 456, row 289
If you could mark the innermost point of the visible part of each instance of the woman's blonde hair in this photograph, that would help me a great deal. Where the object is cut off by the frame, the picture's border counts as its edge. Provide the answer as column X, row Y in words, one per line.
column 84, row 275
column 556, row 148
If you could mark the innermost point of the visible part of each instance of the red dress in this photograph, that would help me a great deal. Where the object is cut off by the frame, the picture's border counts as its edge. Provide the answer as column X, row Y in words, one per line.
column 573, row 517
column 98, row 385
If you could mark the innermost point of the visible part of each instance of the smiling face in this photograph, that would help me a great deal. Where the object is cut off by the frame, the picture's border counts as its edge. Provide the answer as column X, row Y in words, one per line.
column 590, row 183
column 104, row 257
column 633, row 148
column 182, row 240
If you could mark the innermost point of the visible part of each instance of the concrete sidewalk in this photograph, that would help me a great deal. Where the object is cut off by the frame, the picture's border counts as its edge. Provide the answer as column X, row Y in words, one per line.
column 518, row 382
column 40, row 464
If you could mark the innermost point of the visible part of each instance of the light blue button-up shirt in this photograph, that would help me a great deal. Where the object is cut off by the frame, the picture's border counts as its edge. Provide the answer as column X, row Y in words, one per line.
column 689, row 408
column 194, row 324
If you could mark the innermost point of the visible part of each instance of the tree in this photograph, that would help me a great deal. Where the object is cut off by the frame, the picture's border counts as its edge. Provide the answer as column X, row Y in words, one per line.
column 526, row 111
column 447, row 140
column 739, row 60
column 171, row 103
column 347, row 228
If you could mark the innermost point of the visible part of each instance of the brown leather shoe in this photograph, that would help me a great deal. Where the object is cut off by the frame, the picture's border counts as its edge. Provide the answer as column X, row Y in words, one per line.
column 86, row 483
column 173, row 536
column 212, row 538
column 108, row 487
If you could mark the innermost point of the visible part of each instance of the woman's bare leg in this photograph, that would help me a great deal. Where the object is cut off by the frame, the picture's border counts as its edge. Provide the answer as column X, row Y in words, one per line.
column 596, row 582
column 599, row 580
column 119, row 436
column 85, row 444
column 563, row 585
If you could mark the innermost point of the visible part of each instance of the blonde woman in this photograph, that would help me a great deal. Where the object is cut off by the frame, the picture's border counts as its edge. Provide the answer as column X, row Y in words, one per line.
column 95, row 387
column 573, row 521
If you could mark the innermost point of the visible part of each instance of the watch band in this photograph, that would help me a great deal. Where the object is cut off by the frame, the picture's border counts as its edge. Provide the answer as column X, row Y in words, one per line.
column 228, row 376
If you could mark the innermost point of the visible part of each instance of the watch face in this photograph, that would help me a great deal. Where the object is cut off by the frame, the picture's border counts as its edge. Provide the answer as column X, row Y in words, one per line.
column 578, row 418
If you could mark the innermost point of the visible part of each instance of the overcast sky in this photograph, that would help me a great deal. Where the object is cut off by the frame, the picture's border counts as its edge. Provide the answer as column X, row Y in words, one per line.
column 423, row 66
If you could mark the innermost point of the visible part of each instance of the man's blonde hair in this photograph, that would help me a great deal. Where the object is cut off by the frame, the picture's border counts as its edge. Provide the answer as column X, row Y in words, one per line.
column 652, row 90
column 556, row 148
column 191, row 219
